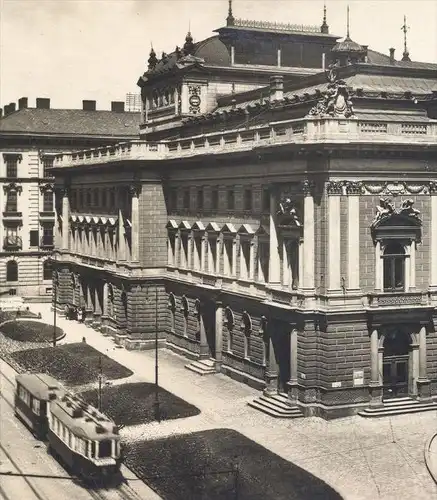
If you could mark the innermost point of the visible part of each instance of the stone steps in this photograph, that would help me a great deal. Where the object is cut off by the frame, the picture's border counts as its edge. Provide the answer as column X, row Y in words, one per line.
column 202, row 367
column 398, row 406
column 276, row 405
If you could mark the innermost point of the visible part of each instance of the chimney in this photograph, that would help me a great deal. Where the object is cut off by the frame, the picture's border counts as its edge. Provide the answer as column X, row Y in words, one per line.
column 276, row 88
column 89, row 105
column 12, row 107
column 42, row 103
column 22, row 103
column 117, row 106
column 392, row 56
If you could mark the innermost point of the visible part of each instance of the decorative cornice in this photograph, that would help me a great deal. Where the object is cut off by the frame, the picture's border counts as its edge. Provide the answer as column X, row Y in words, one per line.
column 307, row 187
column 397, row 188
column 12, row 186
column 48, row 187
column 12, row 156
column 335, row 187
column 353, row 188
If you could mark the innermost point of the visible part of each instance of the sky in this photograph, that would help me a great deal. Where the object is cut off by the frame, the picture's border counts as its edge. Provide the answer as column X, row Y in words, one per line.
column 70, row 50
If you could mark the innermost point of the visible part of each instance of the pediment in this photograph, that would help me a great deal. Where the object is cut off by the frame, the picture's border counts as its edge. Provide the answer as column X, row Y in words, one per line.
column 184, row 225
column 246, row 229
column 229, row 228
column 397, row 220
column 172, row 224
column 198, row 226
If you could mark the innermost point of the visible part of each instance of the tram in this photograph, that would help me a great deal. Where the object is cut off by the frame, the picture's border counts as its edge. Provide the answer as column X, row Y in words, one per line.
column 82, row 438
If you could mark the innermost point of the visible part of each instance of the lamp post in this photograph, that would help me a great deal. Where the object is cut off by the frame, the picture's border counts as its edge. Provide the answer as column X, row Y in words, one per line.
column 157, row 409
column 55, row 300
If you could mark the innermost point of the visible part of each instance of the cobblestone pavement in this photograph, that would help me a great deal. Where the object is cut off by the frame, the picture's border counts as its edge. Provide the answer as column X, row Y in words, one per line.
column 361, row 458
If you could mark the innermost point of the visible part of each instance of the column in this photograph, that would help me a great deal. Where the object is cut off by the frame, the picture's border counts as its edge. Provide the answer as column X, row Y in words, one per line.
column 274, row 258
column 271, row 368
column 293, row 382
column 203, row 243
column 98, row 307
column 353, row 240
column 378, row 275
column 252, row 260
column 412, row 286
column 278, row 58
column 334, row 236
column 285, row 264
column 423, row 383
column 89, row 305
column 433, row 243
column 375, row 387
column 308, row 239
column 121, row 254
column 234, row 256
column 190, row 242
column 135, row 230
column 65, row 217
column 232, row 55
column 170, row 259
column 218, row 335
column 243, row 267
column 204, row 348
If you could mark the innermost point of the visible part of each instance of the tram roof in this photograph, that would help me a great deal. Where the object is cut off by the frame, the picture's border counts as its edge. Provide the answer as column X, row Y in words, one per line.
column 82, row 419
column 40, row 385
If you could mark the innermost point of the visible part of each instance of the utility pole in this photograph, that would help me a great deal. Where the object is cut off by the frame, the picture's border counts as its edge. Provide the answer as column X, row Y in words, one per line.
column 157, row 409
column 99, row 399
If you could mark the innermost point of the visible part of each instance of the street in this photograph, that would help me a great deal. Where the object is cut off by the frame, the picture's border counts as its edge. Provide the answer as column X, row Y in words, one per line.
column 28, row 472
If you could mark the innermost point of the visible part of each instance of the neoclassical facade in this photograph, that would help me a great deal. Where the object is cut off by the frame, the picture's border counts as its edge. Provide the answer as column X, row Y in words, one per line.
column 288, row 242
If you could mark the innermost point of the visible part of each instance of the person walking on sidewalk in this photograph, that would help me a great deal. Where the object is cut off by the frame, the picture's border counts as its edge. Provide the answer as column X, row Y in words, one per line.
column 79, row 315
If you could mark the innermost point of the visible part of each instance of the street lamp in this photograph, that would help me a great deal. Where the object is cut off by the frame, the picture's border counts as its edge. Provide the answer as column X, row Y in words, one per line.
column 55, row 299
column 157, row 409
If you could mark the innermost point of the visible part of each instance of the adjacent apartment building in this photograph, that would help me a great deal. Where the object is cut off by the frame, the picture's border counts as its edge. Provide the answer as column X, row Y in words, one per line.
column 276, row 221
column 27, row 186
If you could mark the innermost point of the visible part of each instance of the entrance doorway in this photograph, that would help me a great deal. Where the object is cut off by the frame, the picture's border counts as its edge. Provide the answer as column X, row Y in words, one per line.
column 395, row 364
column 281, row 346
column 209, row 325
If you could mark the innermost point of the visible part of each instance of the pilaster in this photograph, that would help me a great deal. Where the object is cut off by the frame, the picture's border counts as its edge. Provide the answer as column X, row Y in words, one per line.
column 353, row 191
column 134, row 191
column 65, row 217
column 334, row 190
column 274, row 258
column 433, row 242
column 218, row 335
column 308, row 238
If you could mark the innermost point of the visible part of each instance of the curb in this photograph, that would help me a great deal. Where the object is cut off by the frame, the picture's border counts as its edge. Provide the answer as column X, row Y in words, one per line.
column 62, row 336
column 432, row 469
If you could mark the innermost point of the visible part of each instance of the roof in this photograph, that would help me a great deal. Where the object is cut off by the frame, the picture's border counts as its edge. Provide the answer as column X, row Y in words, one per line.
column 69, row 122
column 40, row 385
column 212, row 51
column 86, row 421
column 347, row 45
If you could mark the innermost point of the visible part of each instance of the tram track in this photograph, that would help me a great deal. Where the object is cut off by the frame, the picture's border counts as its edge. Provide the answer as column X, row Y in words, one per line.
column 121, row 492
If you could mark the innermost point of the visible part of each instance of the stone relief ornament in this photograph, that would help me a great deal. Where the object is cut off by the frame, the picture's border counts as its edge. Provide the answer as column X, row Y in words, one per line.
column 397, row 188
column 386, row 209
column 353, row 187
column 287, row 212
column 336, row 100
column 335, row 187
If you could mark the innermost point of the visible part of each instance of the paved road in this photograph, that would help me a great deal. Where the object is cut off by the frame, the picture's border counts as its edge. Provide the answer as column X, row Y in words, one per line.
column 33, row 474
column 363, row 459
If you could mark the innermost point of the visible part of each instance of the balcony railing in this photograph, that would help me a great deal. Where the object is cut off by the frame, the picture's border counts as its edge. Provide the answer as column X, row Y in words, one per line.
column 311, row 130
column 47, row 242
column 12, row 243
column 397, row 299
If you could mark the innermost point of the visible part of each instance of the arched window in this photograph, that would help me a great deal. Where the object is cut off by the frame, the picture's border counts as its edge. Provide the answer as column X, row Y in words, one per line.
column 47, row 270
column 12, row 271
column 185, row 310
column 394, row 267
column 229, row 324
column 172, row 307
column 246, row 328
column 110, row 300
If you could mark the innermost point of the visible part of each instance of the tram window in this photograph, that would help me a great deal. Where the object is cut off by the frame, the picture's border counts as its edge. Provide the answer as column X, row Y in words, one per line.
column 105, row 448
column 86, row 448
column 36, row 406
column 93, row 448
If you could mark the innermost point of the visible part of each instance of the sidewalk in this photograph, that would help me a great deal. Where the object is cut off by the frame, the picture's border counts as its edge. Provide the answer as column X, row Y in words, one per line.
column 361, row 458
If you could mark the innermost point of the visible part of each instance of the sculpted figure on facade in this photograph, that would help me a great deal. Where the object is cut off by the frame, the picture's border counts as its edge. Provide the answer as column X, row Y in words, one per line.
column 287, row 210
column 386, row 209
column 407, row 209
column 336, row 100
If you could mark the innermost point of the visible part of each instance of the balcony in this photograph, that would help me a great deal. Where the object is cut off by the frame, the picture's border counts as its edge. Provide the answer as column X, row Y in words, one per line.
column 395, row 300
column 47, row 243
column 12, row 214
column 12, row 243
column 46, row 214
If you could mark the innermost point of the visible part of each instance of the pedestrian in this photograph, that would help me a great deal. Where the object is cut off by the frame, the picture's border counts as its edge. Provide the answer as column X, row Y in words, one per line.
column 67, row 311
column 79, row 315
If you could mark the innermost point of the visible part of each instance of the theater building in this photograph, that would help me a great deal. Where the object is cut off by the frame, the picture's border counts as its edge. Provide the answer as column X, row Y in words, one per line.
column 284, row 235
column 27, row 186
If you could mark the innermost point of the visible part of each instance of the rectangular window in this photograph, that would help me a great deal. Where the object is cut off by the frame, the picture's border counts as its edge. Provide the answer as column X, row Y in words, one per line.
column 12, row 202
column 12, row 168
column 186, row 199
column 228, row 247
column 48, row 202
column 263, row 262
column 173, row 199
column 73, row 199
column 265, row 201
column 47, row 165
column 248, row 199
column 214, row 199
column 35, row 406
column 112, row 198
column 47, row 238
column 96, row 200
column 244, row 259
column 200, row 199
column 212, row 255
column 34, row 238
column 104, row 198
column 231, row 200
column 88, row 198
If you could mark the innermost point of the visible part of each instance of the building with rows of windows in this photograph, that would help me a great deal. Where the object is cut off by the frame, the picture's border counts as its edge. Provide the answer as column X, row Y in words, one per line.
column 27, row 187
column 283, row 234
